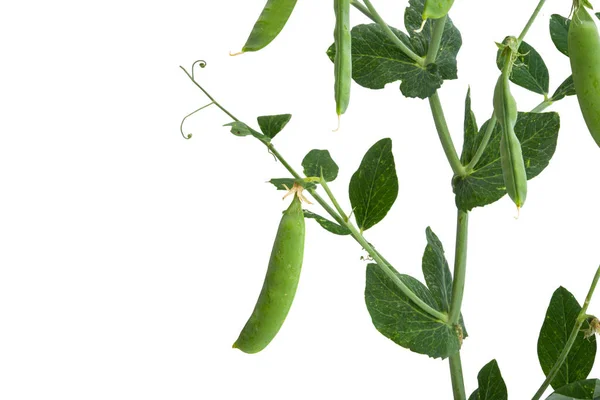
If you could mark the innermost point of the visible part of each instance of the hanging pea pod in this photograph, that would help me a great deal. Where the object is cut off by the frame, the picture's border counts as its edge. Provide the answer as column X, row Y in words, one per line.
column 511, row 156
column 270, row 22
column 584, row 52
column 435, row 9
column 343, row 55
column 280, row 283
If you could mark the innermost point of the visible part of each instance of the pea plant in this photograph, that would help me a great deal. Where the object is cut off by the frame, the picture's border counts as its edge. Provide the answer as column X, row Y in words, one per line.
column 498, row 157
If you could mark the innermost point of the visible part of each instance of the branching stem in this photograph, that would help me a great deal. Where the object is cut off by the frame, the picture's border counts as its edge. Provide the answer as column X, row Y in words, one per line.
column 391, row 35
column 385, row 267
column 581, row 317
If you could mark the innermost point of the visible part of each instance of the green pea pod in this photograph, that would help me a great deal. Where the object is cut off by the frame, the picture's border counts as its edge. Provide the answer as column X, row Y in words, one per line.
column 270, row 22
column 343, row 55
column 584, row 52
column 435, row 9
column 280, row 283
column 511, row 156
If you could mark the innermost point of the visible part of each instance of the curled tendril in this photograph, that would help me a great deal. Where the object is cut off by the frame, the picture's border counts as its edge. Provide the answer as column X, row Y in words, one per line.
column 201, row 63
column 189, row 135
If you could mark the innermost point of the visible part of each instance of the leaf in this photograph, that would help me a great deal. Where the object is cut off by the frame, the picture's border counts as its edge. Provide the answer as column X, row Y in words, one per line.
column 318, row 162
column 588, row 389
column 538, row 134
column 436, row 271
column 470, row 126
column 239, row 128
column 327, row 224
column 399, row 319
column 559, row 31
column 559, row 322
column 377, row 60
column 474, row 395
column 271, row 125
column 374, row 186
column 281, row 183
column 449, row 46
column 491, row 384
column 567, row 88
column 437, row 274
column 529, row 70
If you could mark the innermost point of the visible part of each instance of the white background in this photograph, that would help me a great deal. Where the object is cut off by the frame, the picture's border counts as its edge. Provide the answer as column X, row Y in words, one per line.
column 131, row 258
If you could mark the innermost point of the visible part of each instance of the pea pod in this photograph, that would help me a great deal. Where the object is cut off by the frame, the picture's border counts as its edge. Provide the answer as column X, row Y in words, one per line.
column 270, row 22
column 584, row 52
column 435, row 9
column 280, row 283
column 343, row 55
column 511, row 156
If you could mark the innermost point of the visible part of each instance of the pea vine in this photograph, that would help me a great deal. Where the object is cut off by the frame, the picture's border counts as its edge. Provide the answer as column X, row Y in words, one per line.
column 426, row 317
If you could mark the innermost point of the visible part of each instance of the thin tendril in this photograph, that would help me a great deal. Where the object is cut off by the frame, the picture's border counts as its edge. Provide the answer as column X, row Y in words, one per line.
column 201, row 63
column 189, row 135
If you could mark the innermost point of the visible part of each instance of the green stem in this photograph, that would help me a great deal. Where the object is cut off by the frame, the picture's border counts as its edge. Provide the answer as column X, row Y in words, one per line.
column 333, row 199
column 530, row 22
column 483, row 145
column 456, row 375
column 444, row 134
column 574, row 333
column 388, row 31
column 436, row 105
column 361, row 7
column 386, row 268
column 436, row 39
column 460, row 266
column 542, row 106
column 216, row 103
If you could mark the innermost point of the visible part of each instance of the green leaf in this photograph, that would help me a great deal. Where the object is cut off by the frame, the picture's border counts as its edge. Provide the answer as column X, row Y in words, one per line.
column 239, row 128
column 436, row 271
column 374, row 186
column 538, row 134
column 474, row 395
column 271, row 125
column 327, row 224
column 567, row 88
column 559, row 322
column 318, row 162
column 559, row 31
column 281, row 183
column 402, row 321
column 437, row 274
column 588, row 389
column 377, row 61
column 470, row 126
column 491, row 384
column 449, row 46
column 529, row 70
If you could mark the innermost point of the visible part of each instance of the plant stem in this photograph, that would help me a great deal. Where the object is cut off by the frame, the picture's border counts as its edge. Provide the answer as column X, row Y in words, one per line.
column 333, row 200
column 462, row 222
column 460, row 265
column 530, row 22
column 436, row 39
column 436, row 105
column 542, row 106
column 482, row 146
column 456, row 375
column 444, row 134
column 361, row 7
column 574, row 333
column 386, row 268
column 216, row 103
column 388, row 31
